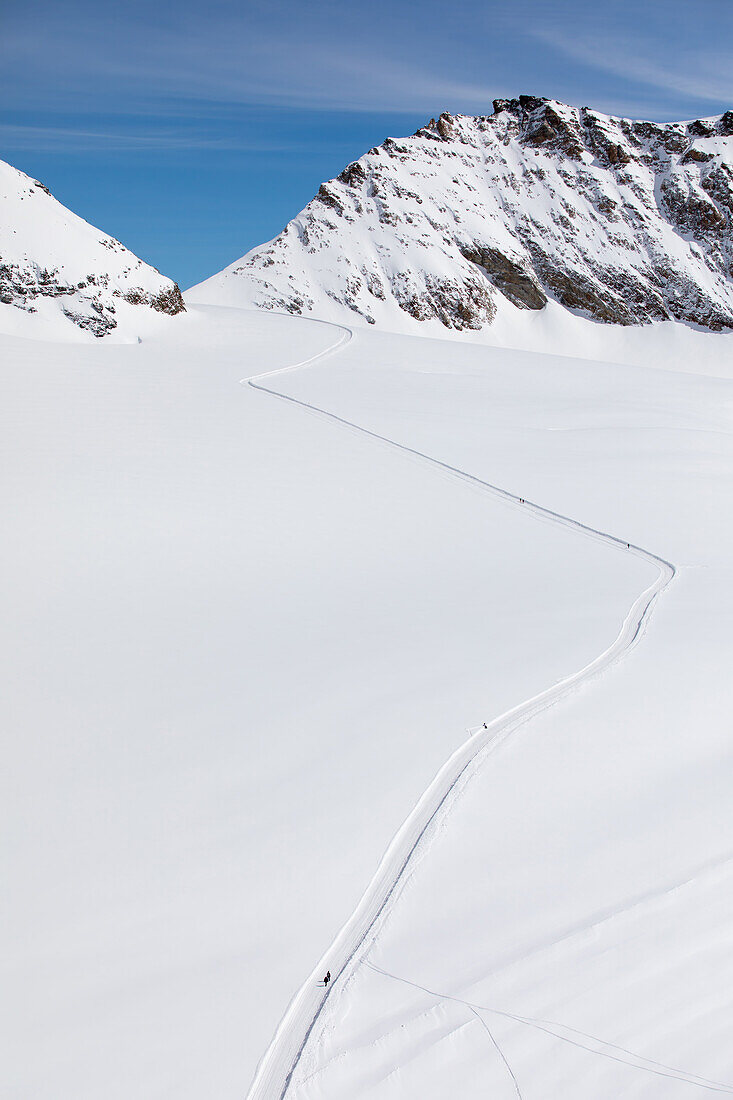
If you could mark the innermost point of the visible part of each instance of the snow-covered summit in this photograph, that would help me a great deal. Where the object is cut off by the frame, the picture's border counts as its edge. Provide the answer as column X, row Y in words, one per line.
column 624, row 221
column 54, row 261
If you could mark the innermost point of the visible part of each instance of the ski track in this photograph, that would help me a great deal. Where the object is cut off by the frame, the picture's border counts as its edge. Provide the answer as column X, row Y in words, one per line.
column 275, row 1071
column 576, row 1038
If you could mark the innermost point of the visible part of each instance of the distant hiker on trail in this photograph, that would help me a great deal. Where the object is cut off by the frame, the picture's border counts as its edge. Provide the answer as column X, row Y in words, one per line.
column 485, row 726
column 327, row 979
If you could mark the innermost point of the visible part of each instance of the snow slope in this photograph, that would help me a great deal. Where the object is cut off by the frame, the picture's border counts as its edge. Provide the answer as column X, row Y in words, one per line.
column 65, row 272
column 477, row 220
column 240, row 642
column 281, row 1063
column 566, row 933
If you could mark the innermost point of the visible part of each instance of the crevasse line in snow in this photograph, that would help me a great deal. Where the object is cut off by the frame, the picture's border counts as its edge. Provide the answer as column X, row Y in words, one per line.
column 572, row 1035
column 277, row 1066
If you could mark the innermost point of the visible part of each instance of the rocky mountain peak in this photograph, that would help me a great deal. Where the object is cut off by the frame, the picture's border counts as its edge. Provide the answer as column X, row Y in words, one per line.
column 53, row 262
column 623, row 221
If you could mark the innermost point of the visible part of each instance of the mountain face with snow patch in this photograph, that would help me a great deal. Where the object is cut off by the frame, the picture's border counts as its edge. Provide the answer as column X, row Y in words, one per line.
column 624, row 222
column 48, row 254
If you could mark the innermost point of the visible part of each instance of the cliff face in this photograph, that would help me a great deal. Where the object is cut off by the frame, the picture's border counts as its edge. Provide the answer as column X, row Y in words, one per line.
column 625, row 222
column 50, row 256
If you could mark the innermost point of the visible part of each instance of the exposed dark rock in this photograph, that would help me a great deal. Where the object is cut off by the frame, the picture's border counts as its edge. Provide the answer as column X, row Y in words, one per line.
column 328, row 198
column 725, row 125
column 541, row 133
column 674, row 142
column 700, row 128
column 509, row 277
column 640, row 294
column 374, row 284
column 606, row 206
column 617, row 154
column 576, row 291
column 696, row 156
column 100, row 324
column 718, row 183
column 686, row 304
column 353, row 175
column 444, row 126
column 18, row 285
column 569, row 138
column 457, row 304
column 429, row 131
column 529, row 102
column 542, row 125
column 599, row 142
column 669, row 138
column 169, row 301
column 689, row 210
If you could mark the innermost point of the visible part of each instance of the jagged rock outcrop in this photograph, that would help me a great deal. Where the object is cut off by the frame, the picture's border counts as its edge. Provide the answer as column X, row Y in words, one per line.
column 49, row 256
column 624, row 222
column 509, row 276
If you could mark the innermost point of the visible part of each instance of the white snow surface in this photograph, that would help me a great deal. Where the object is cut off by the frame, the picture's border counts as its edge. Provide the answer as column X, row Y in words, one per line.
column 62, row 279
column 242, row 639
column 566, row 932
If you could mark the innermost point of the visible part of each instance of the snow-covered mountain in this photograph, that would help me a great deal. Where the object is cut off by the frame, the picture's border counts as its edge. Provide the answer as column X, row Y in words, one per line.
column 625, row 222
column 50, row 257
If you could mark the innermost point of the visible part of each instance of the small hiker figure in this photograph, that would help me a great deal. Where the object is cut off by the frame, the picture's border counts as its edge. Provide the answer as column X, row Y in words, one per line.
column 327, row 979
column 485, row 726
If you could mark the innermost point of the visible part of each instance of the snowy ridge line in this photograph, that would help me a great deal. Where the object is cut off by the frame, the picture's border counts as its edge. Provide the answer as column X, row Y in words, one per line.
column 636, row 1061
column 275, row 1071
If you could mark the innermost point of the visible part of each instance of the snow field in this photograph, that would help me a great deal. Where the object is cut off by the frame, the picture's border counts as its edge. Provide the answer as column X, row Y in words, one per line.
column 576, row 903
column 240, row 643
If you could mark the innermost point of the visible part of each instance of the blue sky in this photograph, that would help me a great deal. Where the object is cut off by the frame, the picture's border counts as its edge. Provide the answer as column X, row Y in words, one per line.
column 194, row 131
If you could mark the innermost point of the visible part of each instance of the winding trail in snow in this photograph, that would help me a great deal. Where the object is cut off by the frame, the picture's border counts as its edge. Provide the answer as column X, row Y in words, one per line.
column 277, row 1067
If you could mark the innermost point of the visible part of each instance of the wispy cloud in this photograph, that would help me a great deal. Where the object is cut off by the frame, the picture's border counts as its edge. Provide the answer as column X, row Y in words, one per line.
column 701, row 74
column 136, row 76
column 73, row 139
column 302, row 59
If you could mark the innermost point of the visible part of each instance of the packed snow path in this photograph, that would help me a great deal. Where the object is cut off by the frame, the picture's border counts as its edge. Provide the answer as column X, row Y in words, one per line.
column 275, row 1071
